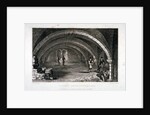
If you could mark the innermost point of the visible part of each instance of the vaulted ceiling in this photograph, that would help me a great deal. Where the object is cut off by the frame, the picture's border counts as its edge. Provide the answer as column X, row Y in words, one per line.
column 46, row 40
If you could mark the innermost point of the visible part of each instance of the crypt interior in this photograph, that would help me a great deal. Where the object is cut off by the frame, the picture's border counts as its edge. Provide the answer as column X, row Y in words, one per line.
column 76, row 46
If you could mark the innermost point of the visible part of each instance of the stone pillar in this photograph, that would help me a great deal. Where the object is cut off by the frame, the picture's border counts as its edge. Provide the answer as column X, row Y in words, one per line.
column 110, row 69
column 61, row 56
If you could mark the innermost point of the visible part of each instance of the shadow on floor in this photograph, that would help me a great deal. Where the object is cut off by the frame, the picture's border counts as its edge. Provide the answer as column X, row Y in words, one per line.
column 84, row 72
column 59, row 74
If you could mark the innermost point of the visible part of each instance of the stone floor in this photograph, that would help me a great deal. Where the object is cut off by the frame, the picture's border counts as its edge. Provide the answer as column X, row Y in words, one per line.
column 75, row 72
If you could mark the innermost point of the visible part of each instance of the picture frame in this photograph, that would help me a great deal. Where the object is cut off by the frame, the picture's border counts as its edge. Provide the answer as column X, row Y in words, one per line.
column 44, row 4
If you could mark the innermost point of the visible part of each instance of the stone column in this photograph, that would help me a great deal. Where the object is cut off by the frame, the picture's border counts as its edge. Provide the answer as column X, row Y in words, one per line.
column 110, row 69
column 94, row 59
column 61, row 56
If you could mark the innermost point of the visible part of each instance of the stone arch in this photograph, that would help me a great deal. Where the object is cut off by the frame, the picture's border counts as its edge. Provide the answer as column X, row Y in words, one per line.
column 78, row 54
column 78, row 43
column 79, row 33
column 63, row 46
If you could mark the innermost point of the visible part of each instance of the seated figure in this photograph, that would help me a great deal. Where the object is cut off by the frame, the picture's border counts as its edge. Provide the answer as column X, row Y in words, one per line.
column 49, row 74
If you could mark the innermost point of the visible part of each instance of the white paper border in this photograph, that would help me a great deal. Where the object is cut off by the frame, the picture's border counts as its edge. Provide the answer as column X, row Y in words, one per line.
column 29, row 85
column 17, row 97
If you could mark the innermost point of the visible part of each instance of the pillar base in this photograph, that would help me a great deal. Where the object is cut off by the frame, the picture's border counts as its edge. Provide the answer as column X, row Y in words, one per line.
column 109, row 80
column 110, row 70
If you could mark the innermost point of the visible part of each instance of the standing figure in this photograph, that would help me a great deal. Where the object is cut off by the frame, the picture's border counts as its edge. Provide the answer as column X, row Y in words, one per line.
column 90, row 64
column 58, row 61
column 106, row 74
column 63, row 59
column 101, row 64
column 102, row 76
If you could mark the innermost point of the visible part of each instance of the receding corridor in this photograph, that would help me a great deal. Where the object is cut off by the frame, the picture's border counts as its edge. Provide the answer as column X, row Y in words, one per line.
column 75, row 55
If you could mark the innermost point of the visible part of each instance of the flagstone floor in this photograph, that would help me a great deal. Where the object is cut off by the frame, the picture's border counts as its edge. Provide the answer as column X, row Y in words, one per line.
column 73, row 73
